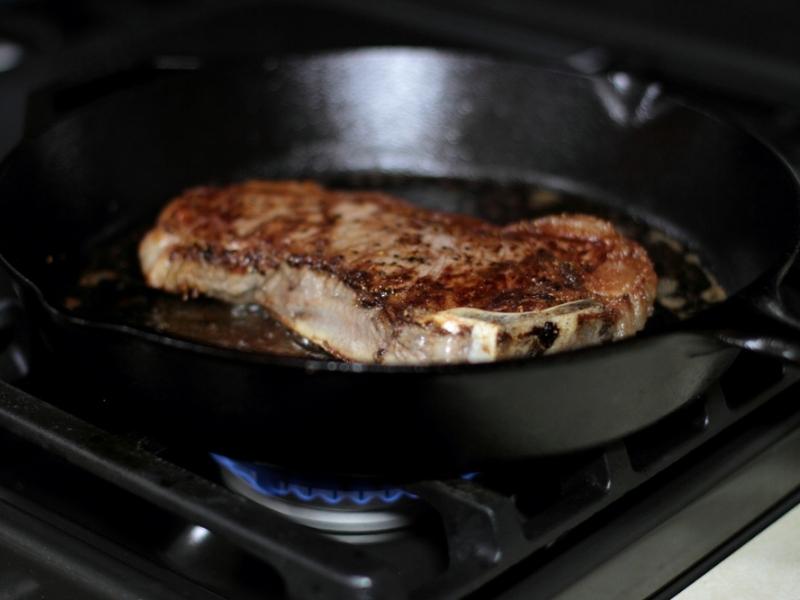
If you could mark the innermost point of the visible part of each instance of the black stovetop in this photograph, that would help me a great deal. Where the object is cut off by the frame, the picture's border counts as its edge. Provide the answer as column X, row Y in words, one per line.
column 100, row 510
column 107, row 510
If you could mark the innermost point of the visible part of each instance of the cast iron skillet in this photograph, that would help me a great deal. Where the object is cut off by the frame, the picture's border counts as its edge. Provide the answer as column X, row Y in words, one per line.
column 108, row 166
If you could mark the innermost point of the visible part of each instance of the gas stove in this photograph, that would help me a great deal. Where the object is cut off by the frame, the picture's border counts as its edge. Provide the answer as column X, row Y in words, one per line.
column 136, row 515
column 93, row 508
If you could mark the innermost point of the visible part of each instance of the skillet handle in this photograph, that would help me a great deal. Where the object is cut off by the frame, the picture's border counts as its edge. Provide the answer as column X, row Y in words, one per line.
column 13, row 357
column 9, row 309
column 764, row 322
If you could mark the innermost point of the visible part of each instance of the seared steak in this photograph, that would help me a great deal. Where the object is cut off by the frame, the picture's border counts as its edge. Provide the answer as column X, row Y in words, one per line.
column 372, row 278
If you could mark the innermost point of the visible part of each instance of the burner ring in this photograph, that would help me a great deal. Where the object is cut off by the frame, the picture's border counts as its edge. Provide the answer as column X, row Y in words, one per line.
column 358, row 507
column 327, row 518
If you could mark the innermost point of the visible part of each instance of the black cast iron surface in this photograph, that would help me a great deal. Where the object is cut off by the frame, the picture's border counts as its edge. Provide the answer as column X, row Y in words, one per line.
column 620, row 145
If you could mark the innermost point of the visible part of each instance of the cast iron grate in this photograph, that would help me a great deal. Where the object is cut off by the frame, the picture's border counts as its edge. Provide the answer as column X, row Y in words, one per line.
column 490, row 523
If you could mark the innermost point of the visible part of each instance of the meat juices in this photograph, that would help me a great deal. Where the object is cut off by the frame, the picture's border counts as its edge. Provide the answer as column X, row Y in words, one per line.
column 372, row 278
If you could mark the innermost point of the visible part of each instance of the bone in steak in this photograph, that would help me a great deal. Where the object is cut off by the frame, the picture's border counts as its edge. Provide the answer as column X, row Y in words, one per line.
column 372, row 278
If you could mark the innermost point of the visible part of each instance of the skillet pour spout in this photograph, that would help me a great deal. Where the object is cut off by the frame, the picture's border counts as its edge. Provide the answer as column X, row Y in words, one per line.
column 396, row 112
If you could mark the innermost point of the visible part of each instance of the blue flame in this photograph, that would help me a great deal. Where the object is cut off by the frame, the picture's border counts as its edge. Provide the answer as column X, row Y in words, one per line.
column 266, row 481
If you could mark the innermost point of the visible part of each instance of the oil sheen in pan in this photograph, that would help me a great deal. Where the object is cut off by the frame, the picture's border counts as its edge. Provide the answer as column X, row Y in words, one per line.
column 110, row 286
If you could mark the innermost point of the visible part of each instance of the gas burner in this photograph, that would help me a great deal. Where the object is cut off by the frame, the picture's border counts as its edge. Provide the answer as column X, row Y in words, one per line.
column 351, row 506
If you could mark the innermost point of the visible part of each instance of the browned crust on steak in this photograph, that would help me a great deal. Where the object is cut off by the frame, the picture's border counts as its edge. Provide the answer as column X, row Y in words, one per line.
column 404, row 262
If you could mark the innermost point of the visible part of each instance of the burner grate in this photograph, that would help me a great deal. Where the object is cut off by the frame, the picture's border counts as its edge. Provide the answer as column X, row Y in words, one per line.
column 489, row 527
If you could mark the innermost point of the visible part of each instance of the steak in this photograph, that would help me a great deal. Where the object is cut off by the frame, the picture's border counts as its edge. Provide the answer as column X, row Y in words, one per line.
column 372, row 278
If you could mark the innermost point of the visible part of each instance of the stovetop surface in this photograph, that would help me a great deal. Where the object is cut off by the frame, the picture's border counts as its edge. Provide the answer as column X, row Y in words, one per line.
column 104, row 511
column 113, row 513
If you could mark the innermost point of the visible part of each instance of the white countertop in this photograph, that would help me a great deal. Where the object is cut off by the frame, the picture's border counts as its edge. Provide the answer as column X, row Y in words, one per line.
column 768, row 566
